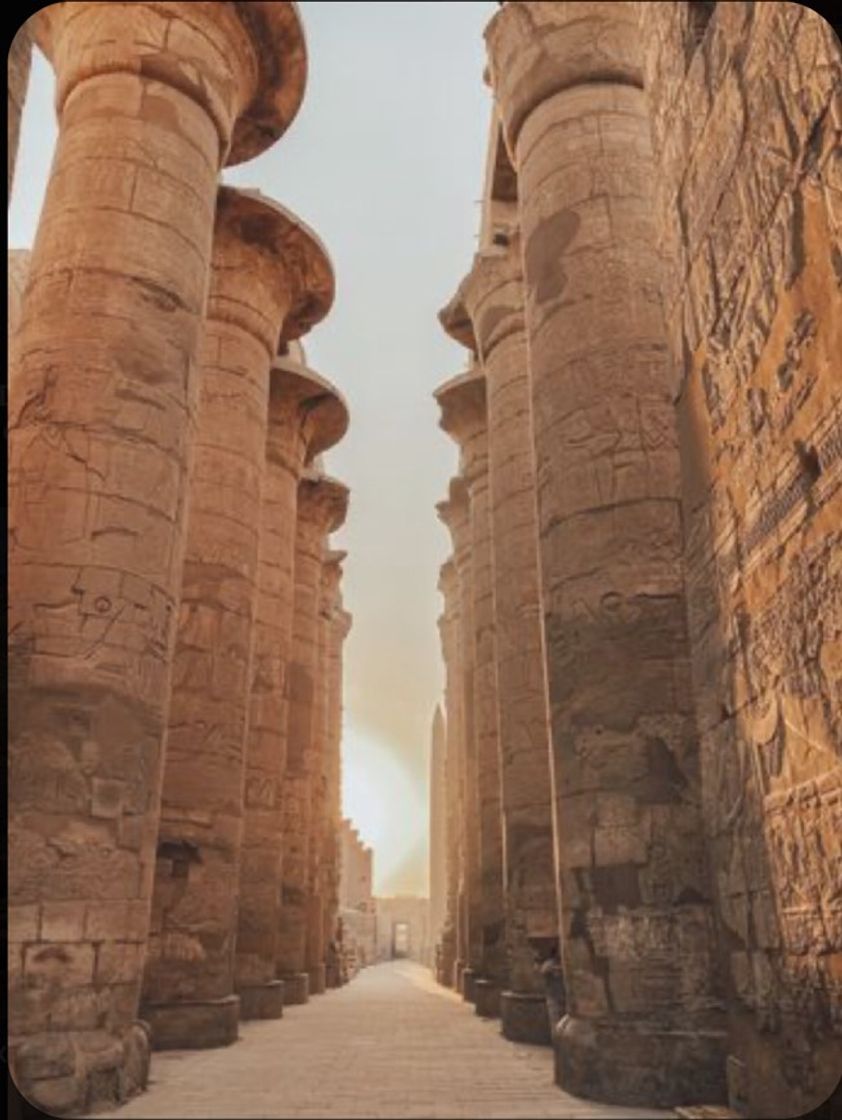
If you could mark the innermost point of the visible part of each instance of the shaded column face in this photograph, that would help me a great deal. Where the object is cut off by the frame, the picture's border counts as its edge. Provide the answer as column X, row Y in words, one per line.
column 98, row 443
column 321, row 505
column 305, row 415
column 339, row 627
column 19, row 62
column 188, row 982
column 644, row 1021
column 493, row 295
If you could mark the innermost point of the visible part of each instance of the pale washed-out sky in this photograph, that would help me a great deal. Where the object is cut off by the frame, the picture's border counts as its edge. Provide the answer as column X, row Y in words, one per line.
column 385, row 161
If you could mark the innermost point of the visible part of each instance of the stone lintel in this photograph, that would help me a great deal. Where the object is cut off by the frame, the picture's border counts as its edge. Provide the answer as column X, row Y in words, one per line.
column 324, row 499
column 302, row 259
column 463, row 406
column 320, row 401
column 537, row 50
column 277, row 34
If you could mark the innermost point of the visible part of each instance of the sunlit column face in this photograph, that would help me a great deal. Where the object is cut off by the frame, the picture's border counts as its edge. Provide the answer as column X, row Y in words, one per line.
column 387, row 803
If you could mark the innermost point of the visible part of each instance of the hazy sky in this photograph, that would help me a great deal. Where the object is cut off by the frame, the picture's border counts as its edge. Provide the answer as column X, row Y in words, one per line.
column 385, row 161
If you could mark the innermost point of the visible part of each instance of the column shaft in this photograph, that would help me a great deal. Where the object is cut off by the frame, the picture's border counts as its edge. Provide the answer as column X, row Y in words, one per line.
column 19, row 62
column 644, row 1021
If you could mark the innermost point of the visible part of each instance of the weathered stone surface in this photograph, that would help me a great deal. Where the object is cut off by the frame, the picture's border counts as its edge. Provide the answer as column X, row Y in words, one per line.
column 322, row 506
column 99, row 438
column 19, row 61
column 463, row 404
column 306, row 415
column 746, row 130
column 267, row 267
column 642, row 1023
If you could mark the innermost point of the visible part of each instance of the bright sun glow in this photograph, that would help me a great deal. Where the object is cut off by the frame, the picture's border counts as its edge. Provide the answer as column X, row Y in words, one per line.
column 386, row 803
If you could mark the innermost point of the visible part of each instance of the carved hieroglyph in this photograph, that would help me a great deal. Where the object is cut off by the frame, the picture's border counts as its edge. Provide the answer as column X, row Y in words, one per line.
column 492, row 294
column 306, row 416
column 152, row 100
column 643, row 1022
column 322, row 506
column 270, row 280
column 747, row 127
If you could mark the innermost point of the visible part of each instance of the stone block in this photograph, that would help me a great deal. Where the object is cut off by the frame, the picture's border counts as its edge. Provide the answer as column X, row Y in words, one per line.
column 66, row 964
column 23, row 923
column 62, row 921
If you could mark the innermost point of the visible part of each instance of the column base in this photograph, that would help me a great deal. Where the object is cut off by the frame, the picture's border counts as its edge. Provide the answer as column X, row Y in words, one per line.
column 524, row 1018
column 199, row 1024
column 76, row 1072
column 634, row 1064
column 262, row 1001
column 468, row 987
column 487, row 999
column 318, row 980
column 296, row 988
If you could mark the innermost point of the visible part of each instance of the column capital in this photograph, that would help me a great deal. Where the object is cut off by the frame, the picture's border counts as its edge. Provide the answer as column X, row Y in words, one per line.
column 456, row 321
column 493, row 294
column 455, row 512
column 536, row 50
column 245, row 64
column 262, row 246
column 322, row 501
column 297, row 394
column 462, row 402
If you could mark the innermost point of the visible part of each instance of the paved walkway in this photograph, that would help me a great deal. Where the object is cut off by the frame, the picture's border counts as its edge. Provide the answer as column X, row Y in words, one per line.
column 392, row 1043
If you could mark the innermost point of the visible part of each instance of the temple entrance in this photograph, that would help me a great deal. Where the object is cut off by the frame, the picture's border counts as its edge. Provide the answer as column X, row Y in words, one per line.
column 400, row 940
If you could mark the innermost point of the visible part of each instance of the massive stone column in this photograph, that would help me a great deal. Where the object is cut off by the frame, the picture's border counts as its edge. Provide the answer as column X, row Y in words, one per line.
column 449, row 626
column 340, row 625
column 438, row 827
column 152, row 100
column 19, row 62
column 306, row 416
column 463, row 404
column 322, row 504
column 321, row 784
column 270, row 278
column 644, row 1019
column 492, row 295
column 456, row 514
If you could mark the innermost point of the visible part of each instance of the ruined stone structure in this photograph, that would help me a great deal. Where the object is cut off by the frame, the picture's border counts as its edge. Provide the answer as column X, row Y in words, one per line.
column 659, row 280
column 358, row 946
column 160, row 425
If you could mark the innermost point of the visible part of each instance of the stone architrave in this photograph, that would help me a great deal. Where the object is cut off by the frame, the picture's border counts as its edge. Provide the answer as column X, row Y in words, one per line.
column 317, row 942
column 270, row 278
column 18, row 65
column 492, row 295
column 644, row 1020
column 307, row 415
column 322, row 505
column 456, row 514
column 463, row 405
column 152, row 100
column 449, row 626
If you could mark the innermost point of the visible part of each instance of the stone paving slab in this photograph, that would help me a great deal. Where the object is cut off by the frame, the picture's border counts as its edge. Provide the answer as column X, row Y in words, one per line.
column 392, row 1044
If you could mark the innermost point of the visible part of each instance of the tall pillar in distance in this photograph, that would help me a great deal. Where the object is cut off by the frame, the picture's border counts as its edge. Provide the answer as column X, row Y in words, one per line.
column 463, row 406
column 270, row 278
column 456, row 514
column 438, row 827
column 340, row 625
column 151, row 102
column 317, row 941
column 492, row 294
column 307, row 415
column 322, row 505
column 17, row 70
column 644, row 1021
column 449, row 628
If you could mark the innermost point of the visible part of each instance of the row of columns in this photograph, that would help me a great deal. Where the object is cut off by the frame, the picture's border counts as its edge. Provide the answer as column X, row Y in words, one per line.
column 568, row 698
column 175, row 616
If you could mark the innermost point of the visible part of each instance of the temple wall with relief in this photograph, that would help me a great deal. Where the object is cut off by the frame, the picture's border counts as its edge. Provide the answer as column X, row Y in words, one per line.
column 746, row 113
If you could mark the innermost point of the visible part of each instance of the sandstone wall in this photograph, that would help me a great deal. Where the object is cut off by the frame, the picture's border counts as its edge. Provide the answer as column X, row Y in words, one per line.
column 746, row 115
